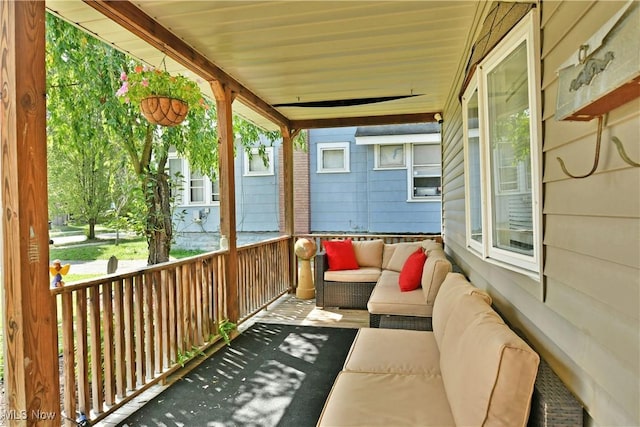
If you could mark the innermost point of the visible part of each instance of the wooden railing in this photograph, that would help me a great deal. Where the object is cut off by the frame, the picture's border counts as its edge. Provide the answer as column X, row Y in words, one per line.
column 388, row 238
column 121, row 334
column 263, row 274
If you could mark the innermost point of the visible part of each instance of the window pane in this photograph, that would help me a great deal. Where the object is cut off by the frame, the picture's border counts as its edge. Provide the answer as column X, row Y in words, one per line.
column 175, row 179
column 475, row 189
column 333, row 159
column 196, row 185
column 215, row 191
column 391, row 155
column 510, row 142
column 426, row 154
column 256, row 164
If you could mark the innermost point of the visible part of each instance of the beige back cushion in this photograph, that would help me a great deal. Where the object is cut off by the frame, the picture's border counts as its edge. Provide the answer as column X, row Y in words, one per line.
column 489, row 374
column 430, row 245
column 454, row 286
column 435, row 269
column 369, row 252
column 390, row 248
column 399, row 254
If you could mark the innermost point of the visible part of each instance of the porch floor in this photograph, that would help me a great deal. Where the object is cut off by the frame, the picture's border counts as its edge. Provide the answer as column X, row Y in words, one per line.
column 287, row 310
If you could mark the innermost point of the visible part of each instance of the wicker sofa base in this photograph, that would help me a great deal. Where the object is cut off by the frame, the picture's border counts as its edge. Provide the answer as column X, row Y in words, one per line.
column 389, row 321
column 344, row 294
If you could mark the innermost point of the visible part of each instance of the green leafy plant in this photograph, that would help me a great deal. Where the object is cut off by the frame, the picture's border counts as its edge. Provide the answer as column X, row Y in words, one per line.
column 224, row 328
column 144, row 82
column 184, row 357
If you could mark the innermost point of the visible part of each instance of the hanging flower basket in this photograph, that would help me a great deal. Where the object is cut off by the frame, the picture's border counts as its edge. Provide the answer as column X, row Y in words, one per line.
column 164, row 99
column 163, row 110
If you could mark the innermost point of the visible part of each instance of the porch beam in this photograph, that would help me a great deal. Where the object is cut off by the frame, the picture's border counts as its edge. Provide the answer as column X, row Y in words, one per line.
column 289, row 218
column 224, row 98
column 142, row 25
column 392, row 119
column 32, row 386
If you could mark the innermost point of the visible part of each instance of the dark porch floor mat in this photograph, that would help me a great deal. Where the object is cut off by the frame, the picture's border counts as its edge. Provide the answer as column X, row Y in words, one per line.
column 271, row 375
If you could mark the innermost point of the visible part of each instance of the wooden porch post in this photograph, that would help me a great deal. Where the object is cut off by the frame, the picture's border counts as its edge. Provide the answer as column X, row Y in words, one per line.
column 224, row 99
column 289, row 220
column 30, row 328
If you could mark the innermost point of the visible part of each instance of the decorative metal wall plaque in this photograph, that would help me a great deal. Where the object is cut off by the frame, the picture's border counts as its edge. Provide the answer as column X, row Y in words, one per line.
column 605, row 71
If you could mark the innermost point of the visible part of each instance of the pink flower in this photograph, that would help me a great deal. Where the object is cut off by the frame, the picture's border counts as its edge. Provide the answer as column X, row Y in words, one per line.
column 123, row 76
column 145, row 82
column 123, row 89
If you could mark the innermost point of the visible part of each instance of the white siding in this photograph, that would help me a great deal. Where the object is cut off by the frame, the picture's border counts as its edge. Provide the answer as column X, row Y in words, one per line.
column 588, row 327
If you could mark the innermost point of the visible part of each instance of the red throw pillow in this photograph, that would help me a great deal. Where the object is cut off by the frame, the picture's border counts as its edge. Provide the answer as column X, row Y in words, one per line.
column 411, row 273
column 341, row 255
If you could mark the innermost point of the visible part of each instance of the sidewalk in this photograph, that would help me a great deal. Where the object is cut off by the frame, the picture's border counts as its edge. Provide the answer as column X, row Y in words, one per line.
column 100, row 266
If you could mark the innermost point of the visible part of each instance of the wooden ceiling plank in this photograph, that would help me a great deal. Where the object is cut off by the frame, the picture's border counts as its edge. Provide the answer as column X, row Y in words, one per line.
column 142, row 25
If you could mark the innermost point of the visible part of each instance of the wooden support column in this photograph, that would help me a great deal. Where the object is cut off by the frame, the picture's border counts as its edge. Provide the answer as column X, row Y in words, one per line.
column 32, row 388
column 288, row 135
column 226, row 175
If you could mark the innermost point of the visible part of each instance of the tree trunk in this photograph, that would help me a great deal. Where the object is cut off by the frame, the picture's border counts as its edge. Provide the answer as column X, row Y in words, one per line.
column 159, row 227
column 91, row 235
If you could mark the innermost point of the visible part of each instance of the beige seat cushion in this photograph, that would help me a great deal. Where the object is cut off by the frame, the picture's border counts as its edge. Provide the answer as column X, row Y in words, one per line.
column 394, row 351
column 369, row 252
column 455, row 285
column 387, row 298
column 364, row 399
column 489, row 374
column 435, row 270
column 364, row 274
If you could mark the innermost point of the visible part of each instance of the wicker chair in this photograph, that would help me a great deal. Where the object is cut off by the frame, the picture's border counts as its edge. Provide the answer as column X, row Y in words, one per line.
column 339, row 294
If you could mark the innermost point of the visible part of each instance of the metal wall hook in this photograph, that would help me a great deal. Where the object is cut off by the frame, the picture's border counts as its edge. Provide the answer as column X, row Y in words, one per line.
column 623, row 153
column 596, row 160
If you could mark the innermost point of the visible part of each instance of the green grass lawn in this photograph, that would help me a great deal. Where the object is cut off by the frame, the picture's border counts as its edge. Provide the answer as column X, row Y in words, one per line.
column 92, row 250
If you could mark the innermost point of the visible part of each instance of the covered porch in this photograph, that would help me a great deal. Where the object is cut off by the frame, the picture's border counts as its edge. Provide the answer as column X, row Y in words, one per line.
column 290, row 66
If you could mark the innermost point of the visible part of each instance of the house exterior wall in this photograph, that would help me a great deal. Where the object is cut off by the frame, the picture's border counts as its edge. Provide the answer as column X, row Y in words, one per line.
column 197, row 226
column 584, row 317
column 364, row 200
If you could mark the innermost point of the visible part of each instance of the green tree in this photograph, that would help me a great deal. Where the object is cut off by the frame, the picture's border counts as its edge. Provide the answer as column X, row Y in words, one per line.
column 77, row 142
column 146, row 146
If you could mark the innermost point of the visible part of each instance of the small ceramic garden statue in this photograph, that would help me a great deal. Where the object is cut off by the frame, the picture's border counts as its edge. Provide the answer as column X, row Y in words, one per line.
column 305, row 249
column 58, row 270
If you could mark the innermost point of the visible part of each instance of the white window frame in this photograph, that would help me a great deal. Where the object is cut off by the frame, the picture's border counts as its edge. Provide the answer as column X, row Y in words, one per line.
column 326, row 146
column 185, row 188
column 478, row 247
column 525, row 31
column 378, row 157
column 255, row 153
column 410, row 176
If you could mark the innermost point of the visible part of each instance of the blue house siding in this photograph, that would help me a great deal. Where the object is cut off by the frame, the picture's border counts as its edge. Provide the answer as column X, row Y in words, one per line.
column 257, row 208
column 364, row 199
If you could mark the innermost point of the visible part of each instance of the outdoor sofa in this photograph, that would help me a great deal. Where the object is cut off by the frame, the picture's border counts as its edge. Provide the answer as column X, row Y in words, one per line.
column 471, row 370
column 373, row 282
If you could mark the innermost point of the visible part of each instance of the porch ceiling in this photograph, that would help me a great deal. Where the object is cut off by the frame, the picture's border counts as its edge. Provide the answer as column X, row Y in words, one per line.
column 282, row 52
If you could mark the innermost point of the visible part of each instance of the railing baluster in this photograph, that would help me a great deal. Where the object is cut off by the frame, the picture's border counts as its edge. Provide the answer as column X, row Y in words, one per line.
column 129, row 334
column 173, row 328
column 158, row 309
column 69, row 368
column 199, row 306
column 149, row 326
column 107, row 329
column 138, row 310
column 84, row 402
column 97, row 396
column 120, row 352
